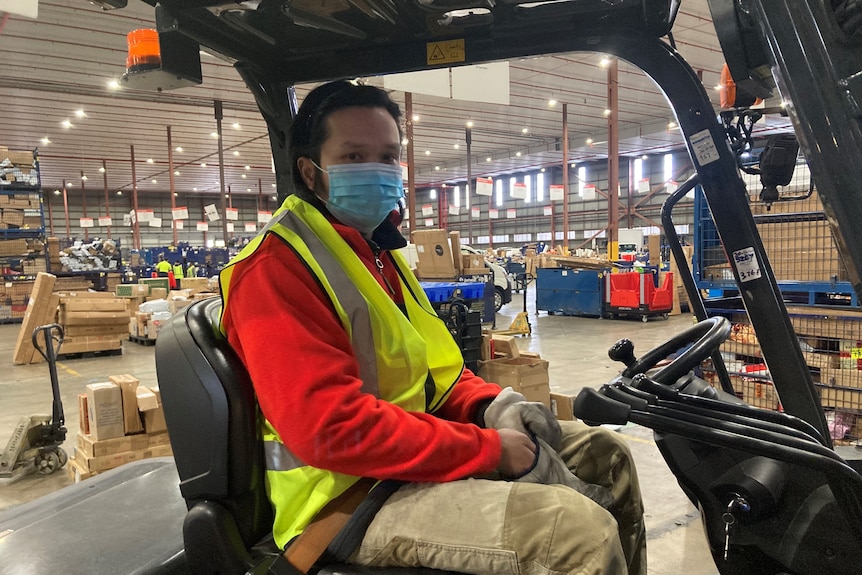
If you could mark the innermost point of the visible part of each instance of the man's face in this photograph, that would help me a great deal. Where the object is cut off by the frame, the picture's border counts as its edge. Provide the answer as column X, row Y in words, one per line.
column 355, row 135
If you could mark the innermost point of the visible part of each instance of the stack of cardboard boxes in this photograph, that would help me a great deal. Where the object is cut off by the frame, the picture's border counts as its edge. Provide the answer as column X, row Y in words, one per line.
column 144, row 322
column 120, row 421
column 439, row 256
column 17, row 168
column 93, row 321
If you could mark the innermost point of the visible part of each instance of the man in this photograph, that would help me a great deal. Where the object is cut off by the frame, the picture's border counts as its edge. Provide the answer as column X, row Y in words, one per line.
column 192, row 270
column 178, row 270
column 357, row 377
column 163, row 266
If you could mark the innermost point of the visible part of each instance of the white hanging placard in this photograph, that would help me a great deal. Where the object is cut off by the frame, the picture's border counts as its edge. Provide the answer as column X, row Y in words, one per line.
column 263, row 217
column 548, row 211
column 643, row 185
column 250, row 227
column 104, row 220
column 493, row 213
column 128, row 219
column 231, row 214
column 155, row 223
column 404, row 171
column 519, row 190
column 178, row 224
column 475, row 212
column 211, row 212
column 589, row 192
column 484, row 186
column 203, row 226
column 671, row 186
column 454, row 210
column 429, row 223
column 511, row 214
column 427, row 210
column 556, row 192
column 229, row 226
column 86, row 222
column 145, row 215
column 180, row 213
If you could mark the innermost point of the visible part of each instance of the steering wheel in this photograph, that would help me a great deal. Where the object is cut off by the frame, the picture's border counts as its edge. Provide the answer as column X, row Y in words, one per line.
column 704, row 336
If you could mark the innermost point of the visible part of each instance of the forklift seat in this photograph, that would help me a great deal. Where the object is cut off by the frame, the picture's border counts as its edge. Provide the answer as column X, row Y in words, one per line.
column 211, row 414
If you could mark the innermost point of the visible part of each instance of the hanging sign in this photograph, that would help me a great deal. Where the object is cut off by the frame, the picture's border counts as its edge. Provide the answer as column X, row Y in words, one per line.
column 493, row 213
column 643, row 185
column 229, row 226
column 203, row 226
column 511, row 214
column 129, row 219
column 454, row 210
column 181, row 213
column 231, row 214
column 589, row 192
column 475, row 212
column 211, row 212
column 671, row 186
column 427, row 210
column 484, row 186
column 178, row 224
column 86, row 222
column 250, row 227
column 104, row 220
column 404, row 171
column 548, row 210
column 519, row 190
column 263, row 217
column 156, row 223
column 429, row 223
column 145, row 215
column 556, row 192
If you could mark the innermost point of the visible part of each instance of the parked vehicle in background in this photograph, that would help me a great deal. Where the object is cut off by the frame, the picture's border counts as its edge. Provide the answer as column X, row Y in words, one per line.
column 502, row 284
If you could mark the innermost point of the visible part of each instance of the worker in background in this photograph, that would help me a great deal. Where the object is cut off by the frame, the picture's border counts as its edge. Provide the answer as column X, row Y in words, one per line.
column 382, row 391
column 192, row 270
column 178, row 270
column 163, row 266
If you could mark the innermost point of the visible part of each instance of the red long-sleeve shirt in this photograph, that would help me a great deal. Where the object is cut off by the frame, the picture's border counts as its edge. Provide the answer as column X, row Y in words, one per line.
column 285, row 330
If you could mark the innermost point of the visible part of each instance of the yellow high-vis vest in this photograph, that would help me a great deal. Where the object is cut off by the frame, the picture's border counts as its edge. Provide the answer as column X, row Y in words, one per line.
column 409, row 360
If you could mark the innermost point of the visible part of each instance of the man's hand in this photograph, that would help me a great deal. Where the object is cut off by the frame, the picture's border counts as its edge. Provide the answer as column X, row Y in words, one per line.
column 511, row 410
column 518, row 453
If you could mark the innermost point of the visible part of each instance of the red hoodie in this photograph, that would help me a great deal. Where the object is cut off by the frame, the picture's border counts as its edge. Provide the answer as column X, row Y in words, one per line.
column 286, row 332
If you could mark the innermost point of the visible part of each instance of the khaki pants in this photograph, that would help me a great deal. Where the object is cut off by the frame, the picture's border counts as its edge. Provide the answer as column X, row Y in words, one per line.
column 485, row 527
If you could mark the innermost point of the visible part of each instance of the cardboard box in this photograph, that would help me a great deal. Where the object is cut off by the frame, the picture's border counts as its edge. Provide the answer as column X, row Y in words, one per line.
column 105, row 462
column 154, row 420
column 153, row 328
column 455, row 246
column 525, row 375
column 157, row 293
column 83, row 416
column 105, row 410
column 146, row 399
column 132, row 290
column 195, row 284
column 92, row 448
column 505, row 345
column 128, row 384
column 435, row 254
column 562, row 406
column 176, row 305
column 39, row 312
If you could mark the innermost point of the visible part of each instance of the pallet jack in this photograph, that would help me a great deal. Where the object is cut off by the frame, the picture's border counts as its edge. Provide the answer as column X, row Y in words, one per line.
column 35, row 444
column 521, row 324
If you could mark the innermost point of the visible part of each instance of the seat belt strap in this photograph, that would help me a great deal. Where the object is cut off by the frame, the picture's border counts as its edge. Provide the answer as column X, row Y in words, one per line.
column 309, row 545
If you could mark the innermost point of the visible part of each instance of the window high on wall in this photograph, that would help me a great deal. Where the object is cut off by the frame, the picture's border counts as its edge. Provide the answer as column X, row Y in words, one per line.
column 456, row 192
column 638, row 171
column 433, row 194
column 582, row 180
column 668, row 167
column 527, row 182
column 540, row 187
column 498, row 188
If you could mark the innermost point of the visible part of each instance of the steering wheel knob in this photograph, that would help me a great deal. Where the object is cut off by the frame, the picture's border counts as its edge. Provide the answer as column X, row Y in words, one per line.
column 623, row 351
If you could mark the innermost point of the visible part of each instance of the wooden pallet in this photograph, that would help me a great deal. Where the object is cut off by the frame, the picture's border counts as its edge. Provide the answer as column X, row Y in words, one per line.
column 90, row 354
column 142, row 340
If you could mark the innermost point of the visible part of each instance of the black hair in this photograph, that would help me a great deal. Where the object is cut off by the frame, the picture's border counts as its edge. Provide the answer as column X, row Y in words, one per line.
column 309, row 126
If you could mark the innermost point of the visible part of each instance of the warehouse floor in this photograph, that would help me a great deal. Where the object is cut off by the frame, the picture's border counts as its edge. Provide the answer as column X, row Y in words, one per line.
column 576, row 349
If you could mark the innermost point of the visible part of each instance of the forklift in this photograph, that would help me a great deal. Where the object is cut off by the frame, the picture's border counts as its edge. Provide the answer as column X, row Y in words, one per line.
column 772, row 489
column 35, row 444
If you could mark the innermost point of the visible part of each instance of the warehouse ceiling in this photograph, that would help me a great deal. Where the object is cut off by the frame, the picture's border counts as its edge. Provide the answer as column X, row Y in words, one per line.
column 58, row 93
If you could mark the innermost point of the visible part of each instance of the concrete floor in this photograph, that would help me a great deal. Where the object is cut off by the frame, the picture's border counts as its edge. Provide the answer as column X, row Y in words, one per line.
column 576, row 349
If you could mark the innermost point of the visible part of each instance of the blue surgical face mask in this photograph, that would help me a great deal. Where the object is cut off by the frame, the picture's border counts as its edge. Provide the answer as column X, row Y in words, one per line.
column 362, row 195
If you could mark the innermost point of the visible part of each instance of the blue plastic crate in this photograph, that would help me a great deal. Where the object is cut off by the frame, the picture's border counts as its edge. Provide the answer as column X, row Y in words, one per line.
column 443, row 291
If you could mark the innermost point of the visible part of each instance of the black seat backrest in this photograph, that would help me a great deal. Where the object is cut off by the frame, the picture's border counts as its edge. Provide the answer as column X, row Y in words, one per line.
column 211, row 413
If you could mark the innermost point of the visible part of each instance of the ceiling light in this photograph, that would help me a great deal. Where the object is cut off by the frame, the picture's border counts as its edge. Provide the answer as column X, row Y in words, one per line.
column 488, row 159
column 542, row 170
column 605, row 62
column 236, row 152
column 194, row 189
column 405, row 141
column 45, row 141
column 69, row 185
column 644, row 157
column 606, row 112
column 783, row 103
column 248, row 189
column 518, row 154
column 427, row 152
column 572, row 165
column 456, row 146
column 671, row 125
column 217, row 182
column 524, row 130
column 227, row 195
column 149, row 160
column 66, row 124
column 84, row 178
column 113, row 85
column 243, row 176
column 102, row 170
column 589, row 141
column 176, row 194
column 719, row 87
column 176, row 172
column 552, row 102
column 248, row 167
column 155, row 181
column 437, row 168
column 415, row 117
column 274, row 198
column 469, row 123
column 273, row 185
column 214, row 134
column 236, row 126
column 56, row 192
column 203, row 164
column 80, row 114
column 179, row 149
column 119, row 192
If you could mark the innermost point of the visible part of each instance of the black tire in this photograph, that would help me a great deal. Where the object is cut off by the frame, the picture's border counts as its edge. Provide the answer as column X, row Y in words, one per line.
column 848, row 14
column 498, row 298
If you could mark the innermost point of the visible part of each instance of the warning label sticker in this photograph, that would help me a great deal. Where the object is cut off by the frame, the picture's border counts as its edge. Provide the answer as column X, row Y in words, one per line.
column 446, row 52
column 746, row 264
column 704, row 148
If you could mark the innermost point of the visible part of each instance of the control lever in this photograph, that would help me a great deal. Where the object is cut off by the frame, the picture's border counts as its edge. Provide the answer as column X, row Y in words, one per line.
column 623, row 351
column 643, row 382
column 593, row 408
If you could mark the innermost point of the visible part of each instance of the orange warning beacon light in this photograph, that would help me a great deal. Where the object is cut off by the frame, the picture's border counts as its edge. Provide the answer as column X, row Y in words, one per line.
column 144, row 53
column 730, row 96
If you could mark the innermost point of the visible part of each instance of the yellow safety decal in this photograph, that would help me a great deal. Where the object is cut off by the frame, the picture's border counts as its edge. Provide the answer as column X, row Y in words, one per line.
column 446, row 52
